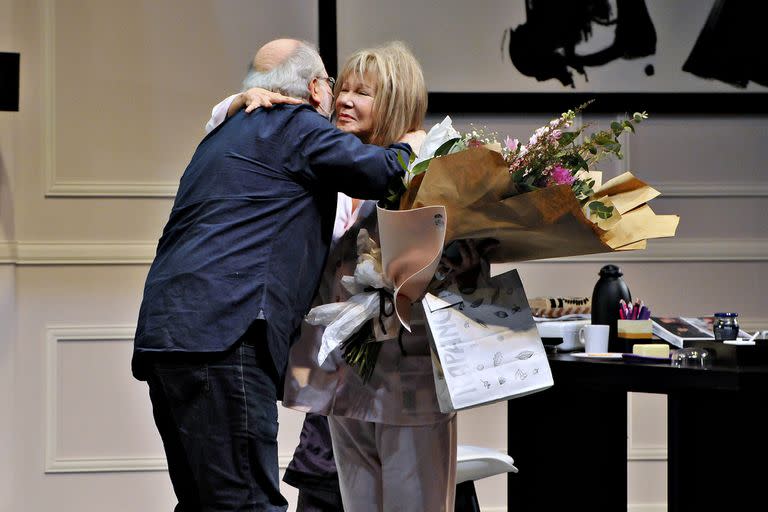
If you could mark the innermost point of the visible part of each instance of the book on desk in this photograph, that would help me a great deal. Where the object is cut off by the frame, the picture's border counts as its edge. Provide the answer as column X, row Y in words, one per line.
column 681, row 331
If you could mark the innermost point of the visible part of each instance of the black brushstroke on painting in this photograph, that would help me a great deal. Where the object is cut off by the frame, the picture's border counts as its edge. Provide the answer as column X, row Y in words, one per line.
column 544, row 47
column 731, row 46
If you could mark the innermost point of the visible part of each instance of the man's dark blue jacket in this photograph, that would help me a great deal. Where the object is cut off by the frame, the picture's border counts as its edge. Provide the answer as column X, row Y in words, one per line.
column 249, row 231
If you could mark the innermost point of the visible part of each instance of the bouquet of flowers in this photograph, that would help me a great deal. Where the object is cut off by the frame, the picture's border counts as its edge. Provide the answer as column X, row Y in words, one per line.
column 552, row 156
column 543, row 199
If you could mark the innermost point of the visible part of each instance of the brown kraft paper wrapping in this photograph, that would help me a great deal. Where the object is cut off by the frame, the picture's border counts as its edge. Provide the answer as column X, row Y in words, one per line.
column 481, row 202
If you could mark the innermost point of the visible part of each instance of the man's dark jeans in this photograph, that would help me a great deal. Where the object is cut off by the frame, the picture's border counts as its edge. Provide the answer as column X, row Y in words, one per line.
column 217, row 417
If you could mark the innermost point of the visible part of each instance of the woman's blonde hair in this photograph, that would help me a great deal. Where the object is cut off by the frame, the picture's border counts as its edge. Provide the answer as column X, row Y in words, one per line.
column 400, row 99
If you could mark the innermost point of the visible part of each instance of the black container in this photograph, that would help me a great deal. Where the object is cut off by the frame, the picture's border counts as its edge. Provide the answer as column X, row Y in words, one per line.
column 609, row 290
column 726, row 326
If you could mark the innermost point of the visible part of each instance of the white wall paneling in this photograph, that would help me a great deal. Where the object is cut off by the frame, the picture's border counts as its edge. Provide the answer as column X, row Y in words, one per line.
column 712, row 189
column 646, row 447
column 8, row 252
column 125, row 252
column 85, row 253
column 63, row 187
column 136, row 91
column 84, row 392
column 692, row 187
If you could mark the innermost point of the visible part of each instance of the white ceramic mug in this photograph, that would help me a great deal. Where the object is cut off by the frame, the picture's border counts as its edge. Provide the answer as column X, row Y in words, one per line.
column 570, row 335
column 594, row 338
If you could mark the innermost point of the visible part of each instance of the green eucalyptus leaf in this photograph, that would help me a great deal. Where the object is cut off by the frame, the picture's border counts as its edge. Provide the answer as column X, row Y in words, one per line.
column 566, row 138
column 603, row 138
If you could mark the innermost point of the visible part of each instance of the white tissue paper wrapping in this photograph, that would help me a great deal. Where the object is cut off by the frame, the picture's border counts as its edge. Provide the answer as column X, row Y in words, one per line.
column 342, row 319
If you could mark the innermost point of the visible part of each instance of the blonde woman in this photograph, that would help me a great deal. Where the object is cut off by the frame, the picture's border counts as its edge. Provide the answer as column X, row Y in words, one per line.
column 394, row 449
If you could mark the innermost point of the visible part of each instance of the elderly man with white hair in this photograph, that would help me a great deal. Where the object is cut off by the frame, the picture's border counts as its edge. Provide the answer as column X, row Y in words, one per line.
column 236, row 268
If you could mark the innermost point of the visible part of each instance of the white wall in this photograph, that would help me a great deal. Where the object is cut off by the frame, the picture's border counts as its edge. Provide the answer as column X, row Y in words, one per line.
column 114, row 97
column 7, row 277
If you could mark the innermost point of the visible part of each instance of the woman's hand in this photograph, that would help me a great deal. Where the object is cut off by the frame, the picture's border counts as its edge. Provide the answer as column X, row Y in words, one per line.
column 414, row 139
column 257, row 97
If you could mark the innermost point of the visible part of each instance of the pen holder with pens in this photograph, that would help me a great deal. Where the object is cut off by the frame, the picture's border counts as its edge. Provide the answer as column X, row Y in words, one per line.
column 633, row 331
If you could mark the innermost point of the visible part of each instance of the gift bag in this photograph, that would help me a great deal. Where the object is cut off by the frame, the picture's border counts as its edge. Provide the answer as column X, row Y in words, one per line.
column 485, row 345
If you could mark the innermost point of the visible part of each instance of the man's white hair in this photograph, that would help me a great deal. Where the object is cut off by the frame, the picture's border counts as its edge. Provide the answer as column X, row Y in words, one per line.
column 292, row 76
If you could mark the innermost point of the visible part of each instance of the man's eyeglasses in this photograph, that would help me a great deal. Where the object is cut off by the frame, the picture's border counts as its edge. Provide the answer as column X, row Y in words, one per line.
column 331, row 80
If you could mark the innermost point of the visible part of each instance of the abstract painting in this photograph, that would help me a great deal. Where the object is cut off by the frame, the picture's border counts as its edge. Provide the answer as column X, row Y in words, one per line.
column 695, row 56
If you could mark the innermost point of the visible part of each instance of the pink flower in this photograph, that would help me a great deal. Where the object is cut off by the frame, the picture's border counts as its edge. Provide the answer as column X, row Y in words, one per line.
column 511, row 144
column 560, row 176
column 556, row 134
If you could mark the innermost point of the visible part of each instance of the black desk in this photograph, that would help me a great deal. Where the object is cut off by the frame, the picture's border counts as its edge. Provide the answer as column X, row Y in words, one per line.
column 570, row 441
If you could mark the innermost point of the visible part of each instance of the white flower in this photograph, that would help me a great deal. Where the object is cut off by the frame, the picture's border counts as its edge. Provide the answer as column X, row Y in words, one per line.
column 436, row 137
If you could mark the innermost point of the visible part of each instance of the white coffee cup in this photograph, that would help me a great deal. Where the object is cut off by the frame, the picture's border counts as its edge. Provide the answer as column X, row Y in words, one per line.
column 570, row 335
column 594, row 338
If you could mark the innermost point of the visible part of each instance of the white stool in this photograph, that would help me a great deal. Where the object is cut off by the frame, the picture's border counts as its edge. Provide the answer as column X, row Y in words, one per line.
column 474, row 463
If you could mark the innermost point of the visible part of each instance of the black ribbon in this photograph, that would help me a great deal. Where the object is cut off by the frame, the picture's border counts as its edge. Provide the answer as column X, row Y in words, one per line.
column 384, row 297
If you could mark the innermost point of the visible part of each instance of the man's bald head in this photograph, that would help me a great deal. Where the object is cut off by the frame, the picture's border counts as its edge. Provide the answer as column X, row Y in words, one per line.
column 274, row 53
column 293, row 68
